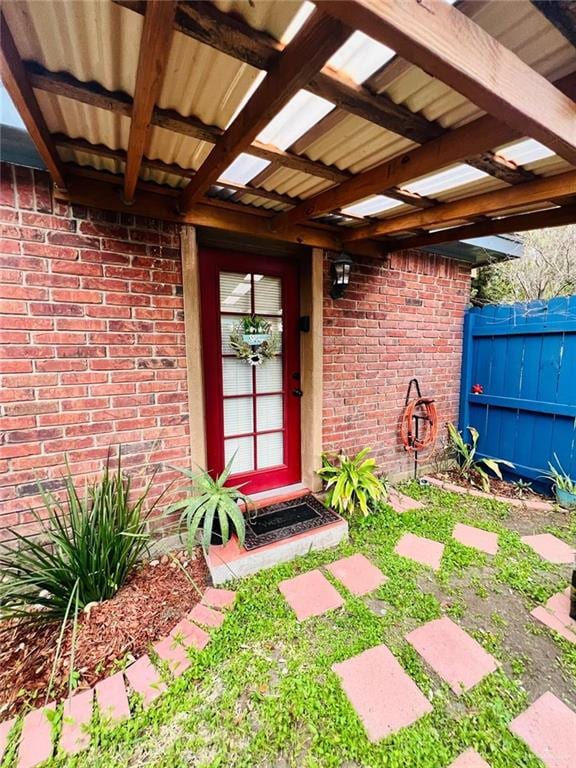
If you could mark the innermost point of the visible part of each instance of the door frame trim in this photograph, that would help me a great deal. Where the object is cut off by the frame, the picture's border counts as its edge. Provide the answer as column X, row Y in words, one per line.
column 311, row 357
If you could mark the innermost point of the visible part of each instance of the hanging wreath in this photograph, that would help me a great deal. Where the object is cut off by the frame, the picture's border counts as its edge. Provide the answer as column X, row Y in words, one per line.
column 253, row 340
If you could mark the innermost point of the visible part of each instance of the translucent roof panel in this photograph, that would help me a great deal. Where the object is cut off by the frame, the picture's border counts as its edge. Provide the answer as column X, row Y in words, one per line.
column 524, row 152
column 297, row 22
column 302, row 112
column 456, row 176
column 244, row 168
column 371, row 206
column 360, row 57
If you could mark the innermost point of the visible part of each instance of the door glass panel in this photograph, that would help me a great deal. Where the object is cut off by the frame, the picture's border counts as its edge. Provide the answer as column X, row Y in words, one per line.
column 269, row 376
column 244, row 294
column 238, row 416
column 269, row 412
column 226, row 323
column 267, row 295
column 237, row 376
column 270, row 449
column 235, row 292
column 243, row 447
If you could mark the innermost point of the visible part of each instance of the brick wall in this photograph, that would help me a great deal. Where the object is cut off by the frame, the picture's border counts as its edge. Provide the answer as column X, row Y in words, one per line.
column 92, row 343
column 397, row 320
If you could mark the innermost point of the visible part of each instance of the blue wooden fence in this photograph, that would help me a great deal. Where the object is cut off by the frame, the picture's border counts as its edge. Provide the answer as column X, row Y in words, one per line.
column 524, row 356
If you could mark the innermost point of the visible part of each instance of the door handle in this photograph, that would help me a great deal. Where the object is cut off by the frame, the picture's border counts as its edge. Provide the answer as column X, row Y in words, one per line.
column 297, row 392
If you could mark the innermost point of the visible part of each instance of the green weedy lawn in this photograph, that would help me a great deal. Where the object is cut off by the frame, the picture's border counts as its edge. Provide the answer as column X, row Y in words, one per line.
column 262, row 693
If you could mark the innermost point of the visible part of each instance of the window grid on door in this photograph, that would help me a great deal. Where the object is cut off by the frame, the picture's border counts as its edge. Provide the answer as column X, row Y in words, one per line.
column 254, row 420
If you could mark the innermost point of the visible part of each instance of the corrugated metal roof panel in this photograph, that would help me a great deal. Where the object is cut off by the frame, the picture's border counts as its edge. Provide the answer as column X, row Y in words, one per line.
column 294, row 183
column 92, row 161
column 92, row 40
column 517, row 25
column 176, row 148
column 78, row 120
column 356, row 144
column 271, row 16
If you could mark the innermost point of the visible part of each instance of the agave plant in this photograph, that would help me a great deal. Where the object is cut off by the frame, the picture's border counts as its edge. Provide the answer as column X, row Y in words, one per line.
column 351, row 483
column 469, row 466
column 210, row 500
column 88, row 543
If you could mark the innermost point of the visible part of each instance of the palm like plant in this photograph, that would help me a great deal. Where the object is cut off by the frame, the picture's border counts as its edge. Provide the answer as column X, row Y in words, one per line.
column 468, row 464
column 211, row 499
column 351, row 483
column 87, row 546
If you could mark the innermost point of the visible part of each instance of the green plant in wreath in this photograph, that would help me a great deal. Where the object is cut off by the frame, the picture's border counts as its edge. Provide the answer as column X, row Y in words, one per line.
column 352, row 483
column 253, row 340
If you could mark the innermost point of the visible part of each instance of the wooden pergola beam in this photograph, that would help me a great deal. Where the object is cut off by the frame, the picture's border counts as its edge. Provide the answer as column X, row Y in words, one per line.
column 561, row 14
column 155, row 44
column 18, row 86
column 454, row 146
column 203, row 22
column 556, row 217
column 81, row 145
column 438, row 38
column 315, row 42
column 95, row 95
column 104, row 195
column 539, row 191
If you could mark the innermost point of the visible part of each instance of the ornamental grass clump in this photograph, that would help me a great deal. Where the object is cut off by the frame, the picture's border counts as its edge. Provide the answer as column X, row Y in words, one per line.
column 89, row 541
column 351, row 483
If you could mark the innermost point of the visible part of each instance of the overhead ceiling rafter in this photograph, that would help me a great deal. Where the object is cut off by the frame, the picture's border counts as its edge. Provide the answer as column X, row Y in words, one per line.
column 556, row 217
column 314, row 43
column 438, row 38
column 155, row 44
column 101, row 150
column 539, row 191
column 93, row 94
column 20, row 90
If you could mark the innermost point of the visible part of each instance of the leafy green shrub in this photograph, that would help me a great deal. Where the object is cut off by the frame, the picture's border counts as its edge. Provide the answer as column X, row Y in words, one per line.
column 559, row 478
column 469, row 467
column 211, row 500
column 351, row 483
column 87, row 546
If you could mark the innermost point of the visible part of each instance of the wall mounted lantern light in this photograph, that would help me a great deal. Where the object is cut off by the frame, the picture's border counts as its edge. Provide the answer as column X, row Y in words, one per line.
column 341, row 268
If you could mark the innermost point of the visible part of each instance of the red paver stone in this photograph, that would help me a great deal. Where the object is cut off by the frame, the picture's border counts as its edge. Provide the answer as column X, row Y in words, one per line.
column 469, row 759
column 5, row 729
column 485, row 541
column 357, row 574
column 402, row 503
column 556, row 615
column 174, row 654
column 425, row 551
column 206, row 616
column 383, row 695
column 310, row 594
column 145, row 680
column 455, row 656
column 549, row 728
column 112, row 698
column 190, row 635
column 36, row 739
column 219, row 598
column 550, row 547
column 76, row 716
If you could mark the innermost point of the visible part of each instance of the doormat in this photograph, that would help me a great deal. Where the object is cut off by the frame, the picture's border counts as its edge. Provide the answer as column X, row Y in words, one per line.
column 288, row 518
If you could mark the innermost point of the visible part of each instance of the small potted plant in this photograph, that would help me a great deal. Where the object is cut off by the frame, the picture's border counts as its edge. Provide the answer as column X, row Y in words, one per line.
column 213, row 507
column 564, row 486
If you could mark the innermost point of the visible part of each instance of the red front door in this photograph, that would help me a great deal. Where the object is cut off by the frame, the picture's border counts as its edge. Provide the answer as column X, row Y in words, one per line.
column 252, row 409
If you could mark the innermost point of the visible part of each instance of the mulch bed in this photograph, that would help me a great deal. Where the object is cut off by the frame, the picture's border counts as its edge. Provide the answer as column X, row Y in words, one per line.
column 497, row 487
column 152, row 601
